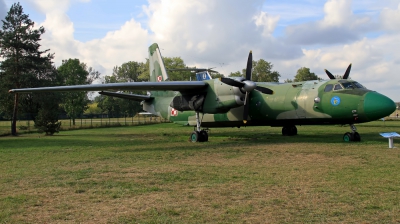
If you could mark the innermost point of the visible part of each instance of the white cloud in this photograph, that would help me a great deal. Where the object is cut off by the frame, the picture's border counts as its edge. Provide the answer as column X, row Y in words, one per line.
column 337, row 13
column 375, row 63
column 129, row 43
column 267, row 22
column 46, row 6
column 339, row 25
column 391, row 19
column 207, row 33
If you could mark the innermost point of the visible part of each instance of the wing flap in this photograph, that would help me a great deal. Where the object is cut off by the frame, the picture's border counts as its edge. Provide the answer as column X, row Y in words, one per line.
column 127, row 96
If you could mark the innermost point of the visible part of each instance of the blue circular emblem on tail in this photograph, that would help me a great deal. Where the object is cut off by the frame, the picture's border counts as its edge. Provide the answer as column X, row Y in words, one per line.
column 335, row 101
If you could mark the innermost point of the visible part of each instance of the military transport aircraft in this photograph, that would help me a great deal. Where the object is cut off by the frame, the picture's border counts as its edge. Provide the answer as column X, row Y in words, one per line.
column 235, row 102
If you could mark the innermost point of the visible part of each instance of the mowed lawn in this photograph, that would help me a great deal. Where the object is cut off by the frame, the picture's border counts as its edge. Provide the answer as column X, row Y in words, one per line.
column 153, row 174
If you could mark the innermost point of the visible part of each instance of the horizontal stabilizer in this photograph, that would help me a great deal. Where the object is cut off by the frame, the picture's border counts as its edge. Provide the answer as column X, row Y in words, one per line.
column 127, row 96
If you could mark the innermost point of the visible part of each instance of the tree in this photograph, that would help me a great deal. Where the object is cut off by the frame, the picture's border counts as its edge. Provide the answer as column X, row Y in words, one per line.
column 24, row 64
column 145, row 71
column 171, row 63
column 216, row 75
column 176, row 63
column 304, row 74
column 261, row 72
column 236, row 74
column 128, row 72
column 109, row 104
column 47, row 118
column 73, row 72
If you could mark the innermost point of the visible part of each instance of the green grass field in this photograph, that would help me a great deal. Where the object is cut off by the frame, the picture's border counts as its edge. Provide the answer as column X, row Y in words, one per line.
column 153, row 174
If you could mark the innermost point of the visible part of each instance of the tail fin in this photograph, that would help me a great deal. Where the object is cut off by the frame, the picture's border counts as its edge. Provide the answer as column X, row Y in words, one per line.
column 158, row 73
column 204, row 75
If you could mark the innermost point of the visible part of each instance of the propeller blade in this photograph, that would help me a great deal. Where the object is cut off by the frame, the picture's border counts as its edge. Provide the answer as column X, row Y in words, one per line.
column 347, row 73
column 231, row 82
column 249, row 66
column 246, row 108
column 329, row 74
column 265, row 90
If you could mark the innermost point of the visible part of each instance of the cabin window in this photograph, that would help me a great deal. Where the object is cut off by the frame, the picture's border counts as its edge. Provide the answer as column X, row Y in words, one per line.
column 328, row 88
column 338, row 87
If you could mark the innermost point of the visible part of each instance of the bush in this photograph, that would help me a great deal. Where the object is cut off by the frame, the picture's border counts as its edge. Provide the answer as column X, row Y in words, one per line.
column 47, row 121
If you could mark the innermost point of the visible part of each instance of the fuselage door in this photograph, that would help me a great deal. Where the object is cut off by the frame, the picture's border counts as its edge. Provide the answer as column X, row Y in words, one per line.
column 301, row 99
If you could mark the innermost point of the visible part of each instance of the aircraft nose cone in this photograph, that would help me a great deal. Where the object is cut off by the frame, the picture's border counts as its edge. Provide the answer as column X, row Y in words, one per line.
column 377, row 106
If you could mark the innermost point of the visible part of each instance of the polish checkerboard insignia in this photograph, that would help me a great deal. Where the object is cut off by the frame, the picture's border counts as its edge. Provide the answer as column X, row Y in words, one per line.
column 174, row 112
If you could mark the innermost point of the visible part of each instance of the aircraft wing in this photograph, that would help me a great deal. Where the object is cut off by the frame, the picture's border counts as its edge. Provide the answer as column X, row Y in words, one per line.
column 126, row 96
column 181, row 86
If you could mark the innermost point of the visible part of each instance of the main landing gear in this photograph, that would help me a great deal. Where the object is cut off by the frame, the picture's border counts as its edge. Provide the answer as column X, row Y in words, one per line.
column 198, row 135
column 289, row 130
column 352, row 136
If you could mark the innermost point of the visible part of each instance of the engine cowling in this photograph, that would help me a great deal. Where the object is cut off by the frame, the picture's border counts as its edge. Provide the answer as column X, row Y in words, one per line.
column 220, row 97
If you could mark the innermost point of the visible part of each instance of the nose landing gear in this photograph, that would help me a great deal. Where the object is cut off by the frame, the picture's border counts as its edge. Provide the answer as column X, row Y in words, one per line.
column 352, row 136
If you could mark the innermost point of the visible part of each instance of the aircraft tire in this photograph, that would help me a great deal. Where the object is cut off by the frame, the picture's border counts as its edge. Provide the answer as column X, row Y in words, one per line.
column 348, row 137
column 289, row 130
column 356, row 137
column 195, row 137
column 203, row 136
column 285, row 131
column 292, row 130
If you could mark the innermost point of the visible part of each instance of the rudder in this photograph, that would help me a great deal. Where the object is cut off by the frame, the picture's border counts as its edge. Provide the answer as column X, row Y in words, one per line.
column 158, row 73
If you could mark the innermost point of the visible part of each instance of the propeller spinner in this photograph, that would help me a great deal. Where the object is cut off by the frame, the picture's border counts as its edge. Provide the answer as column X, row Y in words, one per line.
column 345, row 76
column 247, row 85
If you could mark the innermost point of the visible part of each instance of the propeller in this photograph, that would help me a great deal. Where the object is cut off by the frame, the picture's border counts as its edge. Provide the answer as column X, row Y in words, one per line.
column 345, row 76
column 247, row 85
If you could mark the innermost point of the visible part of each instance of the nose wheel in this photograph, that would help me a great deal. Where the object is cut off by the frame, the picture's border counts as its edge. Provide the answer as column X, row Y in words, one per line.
column 352, row 136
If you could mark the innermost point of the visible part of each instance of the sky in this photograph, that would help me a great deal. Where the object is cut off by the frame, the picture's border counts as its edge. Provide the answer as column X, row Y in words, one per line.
column 316, row 34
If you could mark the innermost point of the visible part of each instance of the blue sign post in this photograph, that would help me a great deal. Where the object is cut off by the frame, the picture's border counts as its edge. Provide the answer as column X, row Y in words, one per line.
column 390, row 136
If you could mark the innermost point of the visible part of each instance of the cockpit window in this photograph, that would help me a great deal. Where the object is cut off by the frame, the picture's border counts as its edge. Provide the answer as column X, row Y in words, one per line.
column 358, row 85
column 328, row 88
column 348, row 85
column 351, row 84
column 338, row 86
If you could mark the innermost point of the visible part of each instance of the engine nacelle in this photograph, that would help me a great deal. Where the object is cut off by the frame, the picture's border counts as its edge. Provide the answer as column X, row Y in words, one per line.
column 188, row 102
column 220, row 97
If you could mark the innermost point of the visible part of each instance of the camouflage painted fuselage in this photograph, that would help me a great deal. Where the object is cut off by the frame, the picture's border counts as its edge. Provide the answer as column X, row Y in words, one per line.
column 301, row 103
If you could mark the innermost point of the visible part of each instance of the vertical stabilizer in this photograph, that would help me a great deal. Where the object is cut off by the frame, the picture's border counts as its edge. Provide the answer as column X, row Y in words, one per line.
column 204, row 75
column 158, row 73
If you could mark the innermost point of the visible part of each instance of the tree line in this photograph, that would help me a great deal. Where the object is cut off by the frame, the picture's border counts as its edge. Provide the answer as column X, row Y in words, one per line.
column 24, row 65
